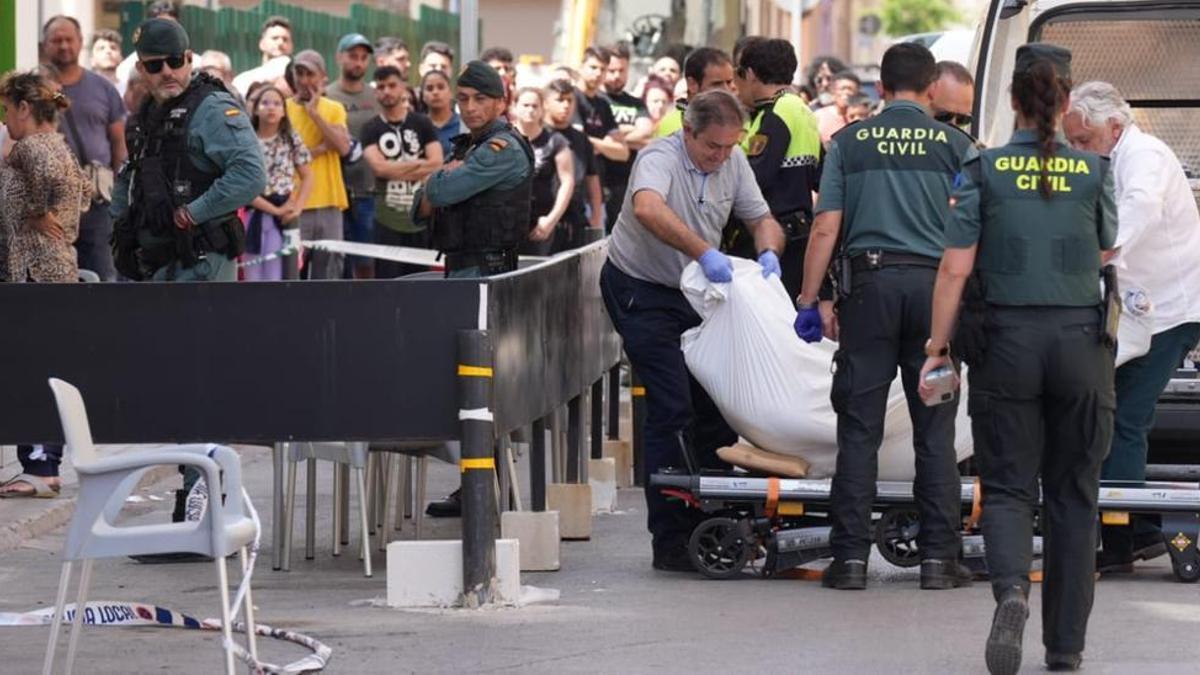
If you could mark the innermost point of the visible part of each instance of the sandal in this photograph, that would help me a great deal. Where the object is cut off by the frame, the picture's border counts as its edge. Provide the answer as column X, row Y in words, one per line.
column 41, row 489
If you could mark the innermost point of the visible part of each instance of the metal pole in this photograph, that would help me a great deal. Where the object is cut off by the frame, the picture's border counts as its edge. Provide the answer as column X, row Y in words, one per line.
column 614, row 402
column 597, row 425
column 574, row 438
column 537, row 465
column 477, row 466
column 798, row 35
column 638, row 394
column 468, row 30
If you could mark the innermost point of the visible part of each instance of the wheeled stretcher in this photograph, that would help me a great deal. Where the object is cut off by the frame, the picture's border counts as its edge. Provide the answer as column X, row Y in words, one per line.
column 776, row 524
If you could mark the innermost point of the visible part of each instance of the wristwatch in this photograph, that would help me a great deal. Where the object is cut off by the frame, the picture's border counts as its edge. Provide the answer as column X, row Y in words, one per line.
column 804, row 305
column 944, row 350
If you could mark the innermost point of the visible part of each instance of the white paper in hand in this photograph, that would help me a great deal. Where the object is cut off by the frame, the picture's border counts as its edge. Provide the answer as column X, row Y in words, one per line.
column 772, row 387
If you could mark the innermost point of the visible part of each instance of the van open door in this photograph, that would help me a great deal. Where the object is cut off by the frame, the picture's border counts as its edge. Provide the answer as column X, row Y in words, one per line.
column 1149, row 50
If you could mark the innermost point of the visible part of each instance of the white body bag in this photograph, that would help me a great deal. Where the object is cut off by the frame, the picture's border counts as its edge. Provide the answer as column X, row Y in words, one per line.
column 771, row 386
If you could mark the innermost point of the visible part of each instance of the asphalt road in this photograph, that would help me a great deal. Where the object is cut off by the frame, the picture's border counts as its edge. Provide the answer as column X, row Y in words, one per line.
column 615, row 614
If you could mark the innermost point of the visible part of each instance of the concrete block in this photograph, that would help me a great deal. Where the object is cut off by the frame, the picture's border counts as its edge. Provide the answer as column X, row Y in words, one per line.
column 429, row 573
column 622, row 454
column 538, row 534
column 602, row 477
column 573, row 501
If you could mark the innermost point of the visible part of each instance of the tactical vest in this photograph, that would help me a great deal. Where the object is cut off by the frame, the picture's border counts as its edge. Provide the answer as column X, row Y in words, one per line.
column 492, row 220
column 1034, row 250
column 166, row 177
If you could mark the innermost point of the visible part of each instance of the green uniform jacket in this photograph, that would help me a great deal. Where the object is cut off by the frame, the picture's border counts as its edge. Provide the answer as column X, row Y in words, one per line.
column 502, row 165
column 890, row 176
column 1035, row 250
column 784, row 149
column 220, row 140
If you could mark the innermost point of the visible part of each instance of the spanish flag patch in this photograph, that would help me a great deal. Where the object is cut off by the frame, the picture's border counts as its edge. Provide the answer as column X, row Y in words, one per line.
column 498, row 144
column 232, row 112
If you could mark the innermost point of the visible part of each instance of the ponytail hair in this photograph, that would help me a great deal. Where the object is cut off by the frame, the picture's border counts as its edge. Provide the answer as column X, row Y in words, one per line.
column 1040, row 95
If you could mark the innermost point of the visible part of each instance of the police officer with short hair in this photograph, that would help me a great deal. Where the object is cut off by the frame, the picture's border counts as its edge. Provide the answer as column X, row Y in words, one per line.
column 889, row 179
column 193, row 161
column 784, row 149
column 704, row 69
column 480, row 200
column 1036, row 218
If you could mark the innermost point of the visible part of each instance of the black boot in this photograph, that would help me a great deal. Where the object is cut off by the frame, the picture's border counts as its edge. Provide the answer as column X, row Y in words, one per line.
column 942, row 574
column 1063, row 660
column 449, row 507
column 845, row 575
column 1003, row 654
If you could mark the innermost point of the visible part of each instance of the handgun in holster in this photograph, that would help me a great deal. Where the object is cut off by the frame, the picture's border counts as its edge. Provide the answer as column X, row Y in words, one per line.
column 796, row 225
column 1110, row 311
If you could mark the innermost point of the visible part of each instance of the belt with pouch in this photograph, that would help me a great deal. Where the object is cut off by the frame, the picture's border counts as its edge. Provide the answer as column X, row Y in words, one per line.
column 876, row 260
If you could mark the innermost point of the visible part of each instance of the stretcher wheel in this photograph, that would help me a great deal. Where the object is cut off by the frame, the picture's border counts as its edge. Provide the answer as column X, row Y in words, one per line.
column 721, row 548
column 1187, row 572
column 896, row 536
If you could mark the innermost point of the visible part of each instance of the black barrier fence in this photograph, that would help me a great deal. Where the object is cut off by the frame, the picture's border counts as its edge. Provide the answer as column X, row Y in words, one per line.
column 318, row 361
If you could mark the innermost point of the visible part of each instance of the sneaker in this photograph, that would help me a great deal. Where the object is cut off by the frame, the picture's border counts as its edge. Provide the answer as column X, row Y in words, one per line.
column 1003, row 653
column 673, row 559
column 1063, row 660
column 845, row 575
column 448, row 507
column 943, row 574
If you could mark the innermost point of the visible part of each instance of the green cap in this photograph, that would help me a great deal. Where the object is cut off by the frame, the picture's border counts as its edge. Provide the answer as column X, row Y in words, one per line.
column 1028, row 54
column 352, row 40
column 160, row 37
column 483, row 78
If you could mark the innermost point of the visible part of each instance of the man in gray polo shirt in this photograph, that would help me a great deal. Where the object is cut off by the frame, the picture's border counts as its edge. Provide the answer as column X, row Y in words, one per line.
column 682, row 190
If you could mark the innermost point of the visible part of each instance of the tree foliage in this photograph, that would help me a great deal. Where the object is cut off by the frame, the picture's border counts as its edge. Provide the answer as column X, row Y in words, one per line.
column 905, row 17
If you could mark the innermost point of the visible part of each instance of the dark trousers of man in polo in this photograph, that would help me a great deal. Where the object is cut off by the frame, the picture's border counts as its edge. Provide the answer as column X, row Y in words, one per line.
column 650, row 318
column 883, row 325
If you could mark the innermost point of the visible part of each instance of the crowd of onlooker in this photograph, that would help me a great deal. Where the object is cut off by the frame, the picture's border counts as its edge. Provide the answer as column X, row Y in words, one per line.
column 344, row 156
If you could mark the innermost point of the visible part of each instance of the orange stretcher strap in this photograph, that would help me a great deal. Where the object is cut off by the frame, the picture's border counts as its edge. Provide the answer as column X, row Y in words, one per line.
column 772, row 497
column 976, row 507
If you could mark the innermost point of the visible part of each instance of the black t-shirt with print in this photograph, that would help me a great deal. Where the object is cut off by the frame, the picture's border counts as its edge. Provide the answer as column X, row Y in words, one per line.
column 546, row 147
column 626, row 109
column 585, row 165
column 398, row 142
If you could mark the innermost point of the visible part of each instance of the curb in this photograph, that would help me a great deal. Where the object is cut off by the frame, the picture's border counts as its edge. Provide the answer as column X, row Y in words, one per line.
column 57, row 512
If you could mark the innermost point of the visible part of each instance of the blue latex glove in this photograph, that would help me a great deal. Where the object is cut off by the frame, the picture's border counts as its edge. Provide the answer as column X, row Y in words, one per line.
column 717, row 266
column 769, row 262
column 808, row 324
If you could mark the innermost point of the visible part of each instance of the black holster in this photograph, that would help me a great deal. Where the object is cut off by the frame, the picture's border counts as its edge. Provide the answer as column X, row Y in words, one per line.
column 841, row 276
column 970, row 336
column 1110, row 311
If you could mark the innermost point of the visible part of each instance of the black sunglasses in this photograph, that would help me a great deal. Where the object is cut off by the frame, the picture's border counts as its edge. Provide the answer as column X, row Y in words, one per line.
column 175, row 61
column 956, row 119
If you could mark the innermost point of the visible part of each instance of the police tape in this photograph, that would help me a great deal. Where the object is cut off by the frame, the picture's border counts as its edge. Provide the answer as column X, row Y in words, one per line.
column 109, row 613
column 117, row 613
column 422, row 257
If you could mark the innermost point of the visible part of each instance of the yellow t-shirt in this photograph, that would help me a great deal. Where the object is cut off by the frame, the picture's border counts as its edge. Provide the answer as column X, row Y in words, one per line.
column 328, row 188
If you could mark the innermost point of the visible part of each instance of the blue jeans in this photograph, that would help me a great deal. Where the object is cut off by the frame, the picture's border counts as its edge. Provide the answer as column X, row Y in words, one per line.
column 358, row 224
column 1139, row 383
column 679, row 413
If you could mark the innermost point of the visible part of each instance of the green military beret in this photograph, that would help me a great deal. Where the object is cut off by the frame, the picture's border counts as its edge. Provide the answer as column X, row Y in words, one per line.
column 160, row 37
column 1033, row 52
column 483, row 78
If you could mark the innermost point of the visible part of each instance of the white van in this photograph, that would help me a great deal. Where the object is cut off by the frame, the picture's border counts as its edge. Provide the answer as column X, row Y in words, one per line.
column 1150, row 50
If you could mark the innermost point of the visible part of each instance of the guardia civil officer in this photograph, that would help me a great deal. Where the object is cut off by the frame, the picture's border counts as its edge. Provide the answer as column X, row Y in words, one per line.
column 1036, row 218
column 784, row 148
column 193, row 161
column 480, row 200
column 889, row 180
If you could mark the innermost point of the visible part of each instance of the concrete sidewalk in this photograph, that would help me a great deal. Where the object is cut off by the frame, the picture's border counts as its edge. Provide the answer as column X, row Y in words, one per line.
column 615, row 613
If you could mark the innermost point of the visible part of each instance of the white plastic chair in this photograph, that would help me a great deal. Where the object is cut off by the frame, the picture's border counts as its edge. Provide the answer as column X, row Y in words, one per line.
column 105, row 482
column 351, row 455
